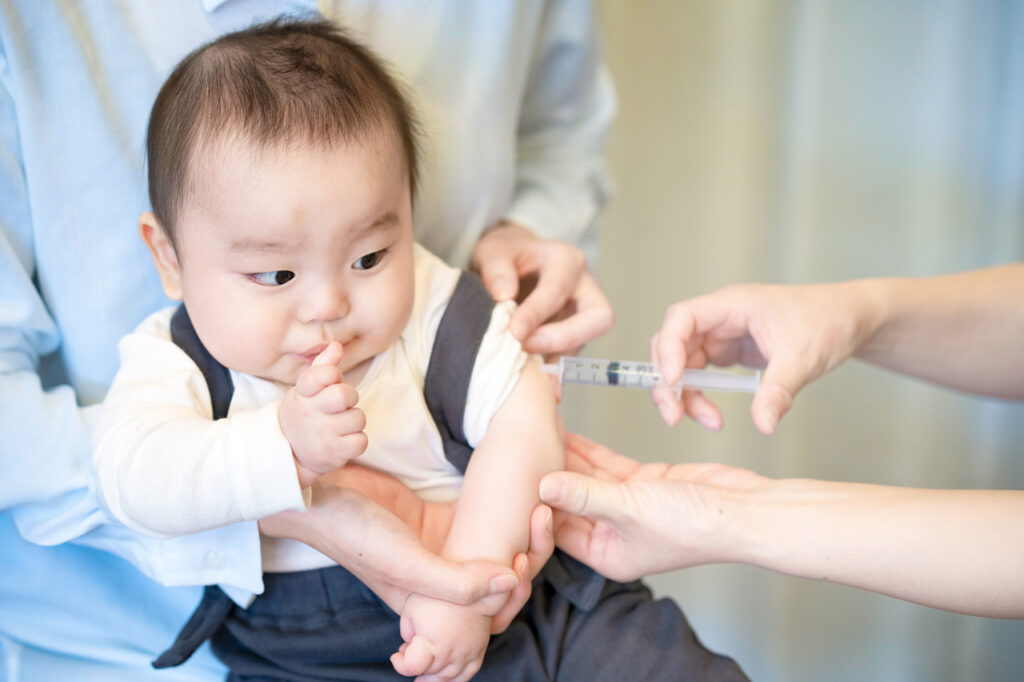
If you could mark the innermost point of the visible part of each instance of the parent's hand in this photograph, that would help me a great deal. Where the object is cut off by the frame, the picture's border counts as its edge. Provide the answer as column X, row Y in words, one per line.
column 565, row 308
column 389, row 538
column 626, row 519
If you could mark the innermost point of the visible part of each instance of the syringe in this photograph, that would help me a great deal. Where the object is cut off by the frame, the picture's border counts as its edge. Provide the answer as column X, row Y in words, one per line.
column 596, row 372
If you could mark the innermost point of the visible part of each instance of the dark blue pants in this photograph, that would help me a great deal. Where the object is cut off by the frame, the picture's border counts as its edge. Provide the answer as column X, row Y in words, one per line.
column 326, row 625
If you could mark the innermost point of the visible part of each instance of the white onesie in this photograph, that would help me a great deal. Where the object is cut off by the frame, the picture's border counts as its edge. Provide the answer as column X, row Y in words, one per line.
column 165, row 468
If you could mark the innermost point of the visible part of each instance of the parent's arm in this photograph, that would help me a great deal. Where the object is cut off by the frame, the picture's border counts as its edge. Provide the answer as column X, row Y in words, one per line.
column 45, row 450
column 958, row 550
column 398, row 537
column 561, row 187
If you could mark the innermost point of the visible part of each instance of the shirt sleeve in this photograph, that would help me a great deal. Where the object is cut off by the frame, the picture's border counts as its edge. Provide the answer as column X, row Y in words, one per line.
column 499, row 357
column 45, row 451
column 495, row 373
column 45, row 444
column 164, row 467
column 562, row 182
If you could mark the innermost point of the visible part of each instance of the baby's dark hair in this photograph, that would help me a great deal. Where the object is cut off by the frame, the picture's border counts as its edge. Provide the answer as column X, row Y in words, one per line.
column 286, row 81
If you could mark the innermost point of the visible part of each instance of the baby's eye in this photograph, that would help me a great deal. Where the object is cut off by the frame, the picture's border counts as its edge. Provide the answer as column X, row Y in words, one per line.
column 368, row 261
column 274, row 278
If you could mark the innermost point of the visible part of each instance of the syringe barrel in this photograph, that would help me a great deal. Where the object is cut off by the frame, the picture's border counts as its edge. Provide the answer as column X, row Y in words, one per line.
column 645, row 375
column 595, row 372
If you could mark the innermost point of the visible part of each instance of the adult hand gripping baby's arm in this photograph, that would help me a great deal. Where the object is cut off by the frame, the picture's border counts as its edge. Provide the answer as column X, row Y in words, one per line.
column 565, row 308
column 389, row 538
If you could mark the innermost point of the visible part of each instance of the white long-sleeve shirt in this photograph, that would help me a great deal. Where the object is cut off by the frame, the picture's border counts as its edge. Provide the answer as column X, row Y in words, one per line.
column 166, row 468
column 77, row 80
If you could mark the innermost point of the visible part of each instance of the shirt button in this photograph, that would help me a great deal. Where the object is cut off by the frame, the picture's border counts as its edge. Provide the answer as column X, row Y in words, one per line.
column 214, row 559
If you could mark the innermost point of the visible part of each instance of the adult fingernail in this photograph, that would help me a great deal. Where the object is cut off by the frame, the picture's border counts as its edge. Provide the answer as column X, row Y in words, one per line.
column 539, row 342
column 548, row 524
column 504, row 583
column 771, row 418
column 549, row 491
column 706, row 419
column 663, row 410
column 672, row 414
column 517, row 329
column 503, row 288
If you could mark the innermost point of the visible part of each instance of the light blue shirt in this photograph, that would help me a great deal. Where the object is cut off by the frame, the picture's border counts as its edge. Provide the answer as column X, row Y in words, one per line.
column 77, row 80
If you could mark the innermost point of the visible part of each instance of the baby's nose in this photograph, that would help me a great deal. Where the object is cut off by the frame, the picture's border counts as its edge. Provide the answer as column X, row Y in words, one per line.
column 327, row 303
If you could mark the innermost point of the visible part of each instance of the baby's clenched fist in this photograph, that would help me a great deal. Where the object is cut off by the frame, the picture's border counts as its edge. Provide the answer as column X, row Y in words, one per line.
column 320, row 420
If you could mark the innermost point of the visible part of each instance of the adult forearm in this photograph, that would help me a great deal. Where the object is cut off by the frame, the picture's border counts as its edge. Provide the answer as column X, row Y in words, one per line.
column 963, row 331
column 46, row 453
column 955, row 550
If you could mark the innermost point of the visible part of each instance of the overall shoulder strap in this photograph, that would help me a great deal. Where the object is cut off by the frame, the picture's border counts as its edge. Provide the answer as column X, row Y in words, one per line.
column 218, row 378
column 445, row 389
column 215, row 605
column 446, row 384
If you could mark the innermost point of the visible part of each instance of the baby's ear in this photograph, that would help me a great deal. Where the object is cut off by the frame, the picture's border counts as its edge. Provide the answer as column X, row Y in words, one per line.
column 164, row 256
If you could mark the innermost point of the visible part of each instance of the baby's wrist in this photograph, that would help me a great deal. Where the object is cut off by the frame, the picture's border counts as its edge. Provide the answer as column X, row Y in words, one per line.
column 307, row 477
column 285, row 421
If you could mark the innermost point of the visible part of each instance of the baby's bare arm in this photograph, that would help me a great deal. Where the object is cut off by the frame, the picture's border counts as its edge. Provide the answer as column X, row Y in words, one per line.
column 492, row 521
column 523, row 442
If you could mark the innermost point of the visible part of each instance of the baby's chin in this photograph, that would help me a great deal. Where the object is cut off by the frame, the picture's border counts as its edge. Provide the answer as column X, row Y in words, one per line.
column 285, row 372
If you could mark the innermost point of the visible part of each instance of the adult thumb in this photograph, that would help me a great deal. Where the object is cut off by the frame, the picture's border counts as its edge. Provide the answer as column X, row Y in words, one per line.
column 582, row 495
column 779, row 385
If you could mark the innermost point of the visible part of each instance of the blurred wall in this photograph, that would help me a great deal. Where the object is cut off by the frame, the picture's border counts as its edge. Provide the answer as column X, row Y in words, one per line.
column 812, row 141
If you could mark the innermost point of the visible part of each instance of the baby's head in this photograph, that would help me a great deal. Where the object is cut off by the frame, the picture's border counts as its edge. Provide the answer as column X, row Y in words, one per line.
column 282, row 164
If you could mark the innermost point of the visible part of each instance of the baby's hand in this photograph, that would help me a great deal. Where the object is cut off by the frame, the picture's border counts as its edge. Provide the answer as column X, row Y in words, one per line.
column 443, row 641
column 319, row 418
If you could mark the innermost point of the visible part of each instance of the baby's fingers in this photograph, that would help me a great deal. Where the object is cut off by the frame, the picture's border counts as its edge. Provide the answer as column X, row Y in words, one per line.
column 315, row 378
column 330, row 355
column 414, row 658
column 335, row 399
column 453, row 672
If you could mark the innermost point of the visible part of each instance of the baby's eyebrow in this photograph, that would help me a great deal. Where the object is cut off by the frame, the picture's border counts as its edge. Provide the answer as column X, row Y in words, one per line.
column 384, row 223
column 262, row 245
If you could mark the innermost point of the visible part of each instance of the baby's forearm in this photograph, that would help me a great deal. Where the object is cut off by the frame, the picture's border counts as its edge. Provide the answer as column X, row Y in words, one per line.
column 523, row 442
column 165, row 472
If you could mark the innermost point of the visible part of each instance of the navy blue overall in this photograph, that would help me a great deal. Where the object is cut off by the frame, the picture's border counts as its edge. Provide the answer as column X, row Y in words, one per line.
column 324, row 624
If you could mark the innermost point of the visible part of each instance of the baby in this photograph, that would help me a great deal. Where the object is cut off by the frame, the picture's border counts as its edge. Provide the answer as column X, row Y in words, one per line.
column 282, row 166
column 313, row 331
